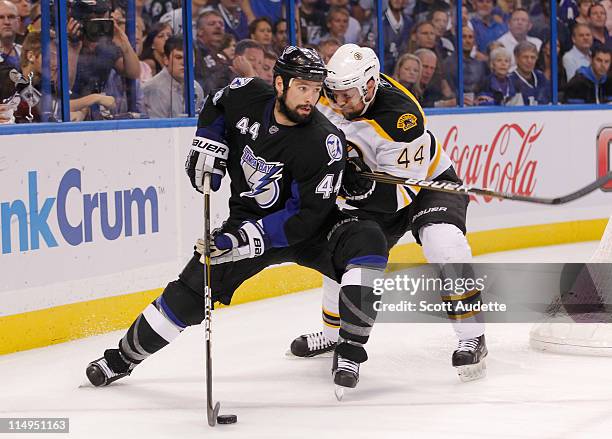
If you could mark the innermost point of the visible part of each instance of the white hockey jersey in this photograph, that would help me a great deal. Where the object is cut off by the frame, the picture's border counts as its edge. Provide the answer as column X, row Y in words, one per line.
column 392, row 137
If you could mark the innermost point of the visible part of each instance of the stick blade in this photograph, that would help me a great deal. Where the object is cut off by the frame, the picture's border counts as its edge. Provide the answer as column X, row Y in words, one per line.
column 212, row 414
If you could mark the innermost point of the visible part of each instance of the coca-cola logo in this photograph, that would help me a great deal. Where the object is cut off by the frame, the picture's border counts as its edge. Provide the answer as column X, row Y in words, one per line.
column 604, row 155
column 503, row 164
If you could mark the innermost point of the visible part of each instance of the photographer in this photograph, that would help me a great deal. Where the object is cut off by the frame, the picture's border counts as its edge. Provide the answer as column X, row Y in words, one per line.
column 104, row 46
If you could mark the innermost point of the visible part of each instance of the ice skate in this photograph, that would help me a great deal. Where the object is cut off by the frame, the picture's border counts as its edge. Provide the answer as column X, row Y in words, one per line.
column 345, row 373
column 469, row 359
column 315, row 344
column 111, row 367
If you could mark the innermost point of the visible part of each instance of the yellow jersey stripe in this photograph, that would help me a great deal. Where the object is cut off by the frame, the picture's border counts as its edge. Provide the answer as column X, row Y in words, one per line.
column 407, row 198
column 407, row 93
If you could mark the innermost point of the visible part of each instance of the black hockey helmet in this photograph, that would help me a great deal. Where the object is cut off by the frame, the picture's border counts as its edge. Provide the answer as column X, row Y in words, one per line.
column 298, row 62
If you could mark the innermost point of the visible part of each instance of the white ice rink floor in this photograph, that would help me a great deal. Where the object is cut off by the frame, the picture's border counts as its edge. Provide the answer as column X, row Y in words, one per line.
column 407, row 390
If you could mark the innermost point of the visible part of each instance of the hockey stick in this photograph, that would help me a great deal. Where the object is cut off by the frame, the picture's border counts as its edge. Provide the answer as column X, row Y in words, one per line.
column 454, row 188
column 211, row 412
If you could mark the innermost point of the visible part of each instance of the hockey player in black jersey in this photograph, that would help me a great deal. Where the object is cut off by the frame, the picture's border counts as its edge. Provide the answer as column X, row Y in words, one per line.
column 285, row 160
column 386, row 132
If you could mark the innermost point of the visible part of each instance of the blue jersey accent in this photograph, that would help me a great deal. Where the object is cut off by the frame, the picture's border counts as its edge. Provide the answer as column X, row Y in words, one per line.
column 214, row 131
column 374, row 261
column 274, row 224
column 162, row 303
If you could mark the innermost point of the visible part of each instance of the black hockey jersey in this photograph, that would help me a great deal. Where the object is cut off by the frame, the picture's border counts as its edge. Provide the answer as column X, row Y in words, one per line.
column 287, row 176
column 392, row 137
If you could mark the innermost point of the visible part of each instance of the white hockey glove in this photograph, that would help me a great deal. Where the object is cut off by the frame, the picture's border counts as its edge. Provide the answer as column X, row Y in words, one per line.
column 247, row 242
column 206, row 156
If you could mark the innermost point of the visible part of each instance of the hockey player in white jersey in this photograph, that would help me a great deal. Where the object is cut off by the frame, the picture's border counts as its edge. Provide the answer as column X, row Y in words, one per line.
column 386, row 132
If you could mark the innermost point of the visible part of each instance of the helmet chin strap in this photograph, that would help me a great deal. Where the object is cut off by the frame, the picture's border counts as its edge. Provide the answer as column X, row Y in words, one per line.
column 367, row 102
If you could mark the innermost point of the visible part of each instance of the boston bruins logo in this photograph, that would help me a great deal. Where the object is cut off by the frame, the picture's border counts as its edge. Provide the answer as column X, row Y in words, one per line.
column 406, row 121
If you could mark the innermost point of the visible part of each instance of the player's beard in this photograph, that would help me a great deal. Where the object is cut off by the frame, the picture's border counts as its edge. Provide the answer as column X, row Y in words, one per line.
column 292, row 115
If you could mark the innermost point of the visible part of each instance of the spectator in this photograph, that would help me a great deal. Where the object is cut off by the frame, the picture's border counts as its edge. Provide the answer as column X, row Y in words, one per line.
column 158, row 8
column 544, row 64
column 267, row 70
column 327, row 48
column 228, row 46
column 540, row 19
column 10, row 51
column 311, row 22
column 580, row 55
column 531, row 83
column 408, row 73
column 519, row 25
column 504, row 9
column 212, row 68
column 396, row 27
column 9, row 98
column 337, row 24
column 271, row 9
column 164, row 95
column 474, row 70
column 23, row 10
column 608, row 5
column 592, row 84
column 422, row 8
column 436, row 92
column 353, row 32
column 498, row 89
column 153, row 47
column 235, row 19
column 597, row 20
column 146, row 72
column 439, row 18
column 35, row 17
column 583, row 12
column 485, row 26
column 281, row 39
column 423, row 36
column 248, row 60
column 100, row 54
column 260, row 30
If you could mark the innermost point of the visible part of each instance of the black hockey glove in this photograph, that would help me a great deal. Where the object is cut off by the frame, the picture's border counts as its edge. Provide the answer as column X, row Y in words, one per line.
column 354, row 186
column 206, row 156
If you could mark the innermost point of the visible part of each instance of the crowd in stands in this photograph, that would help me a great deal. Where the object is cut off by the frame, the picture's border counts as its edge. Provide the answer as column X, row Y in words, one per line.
column 505, row 51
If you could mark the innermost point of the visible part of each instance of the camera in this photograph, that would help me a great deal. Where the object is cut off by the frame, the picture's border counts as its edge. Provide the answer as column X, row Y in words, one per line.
column 93, row 16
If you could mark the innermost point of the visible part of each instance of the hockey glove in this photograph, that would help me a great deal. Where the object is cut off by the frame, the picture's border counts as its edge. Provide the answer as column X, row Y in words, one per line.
column 354, row 186
column 206, row 156
column 247, row 242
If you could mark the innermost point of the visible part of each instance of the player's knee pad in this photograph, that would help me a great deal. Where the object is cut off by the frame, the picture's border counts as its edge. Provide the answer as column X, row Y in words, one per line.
column 444, row 243
column 363, row 244
column 181, row 304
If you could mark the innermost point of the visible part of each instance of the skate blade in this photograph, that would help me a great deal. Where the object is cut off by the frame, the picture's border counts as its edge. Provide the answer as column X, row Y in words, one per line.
column 289, row 355
column 472, row 372
column 339, row 392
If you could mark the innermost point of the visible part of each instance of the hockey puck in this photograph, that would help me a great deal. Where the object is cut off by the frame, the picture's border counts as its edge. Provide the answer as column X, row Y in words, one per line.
column 227, row 419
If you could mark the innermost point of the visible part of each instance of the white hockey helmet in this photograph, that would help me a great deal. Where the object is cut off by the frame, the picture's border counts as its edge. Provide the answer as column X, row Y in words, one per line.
column 353, row 66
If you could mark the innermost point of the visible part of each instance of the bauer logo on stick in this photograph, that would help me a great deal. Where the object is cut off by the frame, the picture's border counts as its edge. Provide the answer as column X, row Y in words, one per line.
column 406, row 121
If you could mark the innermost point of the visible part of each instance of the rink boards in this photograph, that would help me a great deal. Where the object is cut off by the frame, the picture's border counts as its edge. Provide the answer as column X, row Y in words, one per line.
column 95, row 223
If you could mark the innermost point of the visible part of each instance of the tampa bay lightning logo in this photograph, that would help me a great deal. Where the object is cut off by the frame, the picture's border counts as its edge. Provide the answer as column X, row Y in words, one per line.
column 239, row 82
column 262, row 176
column 334, row 148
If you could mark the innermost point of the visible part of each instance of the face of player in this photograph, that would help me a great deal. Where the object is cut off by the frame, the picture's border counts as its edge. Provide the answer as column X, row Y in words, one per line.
column 500, row 66
column 598, row 16
column 348, row 101
column 299, row 99
column 426, row 36
column 601, row 64
column 409, row 71
column 582, row 38
column 263, row 33
column 526, row 61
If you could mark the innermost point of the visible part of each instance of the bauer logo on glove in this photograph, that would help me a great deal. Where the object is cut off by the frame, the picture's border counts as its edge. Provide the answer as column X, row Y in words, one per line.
column 206, row 156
